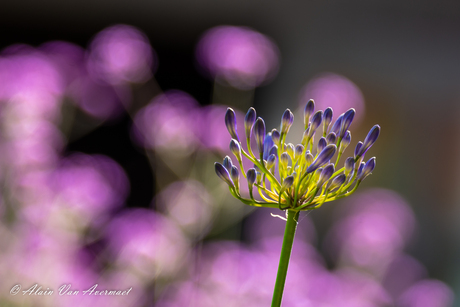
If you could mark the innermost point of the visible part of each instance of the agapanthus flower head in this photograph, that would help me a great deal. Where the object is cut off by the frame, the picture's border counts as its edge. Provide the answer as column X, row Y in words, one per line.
column 297, row 177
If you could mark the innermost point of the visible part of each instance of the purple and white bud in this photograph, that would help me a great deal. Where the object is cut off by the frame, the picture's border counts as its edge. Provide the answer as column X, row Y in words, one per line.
column 235, row 175
column 357, row 149
column 284, row 159
column 346, row 122
column 309, row 158
column 337, row 182
column 324, row 156
column 259, row 178
column 230, row 122
column 337, row 124
column 345, row 141
column 327, row 118
column 287, row 183
column 308, row 111
column 276, row 136
column 315, row 122
column 321, row 144
column 270, row 161
column 366, row 170
column 286, row 121
column 290, row 150
column 251, row 176
column 268, row 144
column 235, row 148
column 273, row 150
column 360, row 169
column 331, row 138
column 249, row 121
column 298, row 150
column 223, row 174
column 349, row 166
column 325, row 175
column 369, row 140
column 259, row 133
column 227, row 163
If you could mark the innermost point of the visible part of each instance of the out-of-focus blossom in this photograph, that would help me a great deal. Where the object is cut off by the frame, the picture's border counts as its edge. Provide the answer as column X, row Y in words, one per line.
column 188, row 204
column 238, row 56
column 147, row 243
column 169, row 123
column 427, row 293
column 121, row 54
column 335, row 91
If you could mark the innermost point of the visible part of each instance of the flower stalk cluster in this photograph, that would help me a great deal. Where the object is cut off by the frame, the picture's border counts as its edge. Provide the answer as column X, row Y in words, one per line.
column 297, row 177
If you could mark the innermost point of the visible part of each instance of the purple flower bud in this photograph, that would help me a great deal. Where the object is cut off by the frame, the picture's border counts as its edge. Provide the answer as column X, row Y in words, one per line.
column 251, row 176
column 331, row 138
column 308, row 158
column 273, row 150
column 286, row 121
column 337, row 124
column 299, row 150
column 366, row 170
column 268, row 144
column 317, row 174
column 230, row 122
column 249, row 121
column 358, row 148
column 271, row 161
column 223, row 174
column 259, row 132
column 284, row 159
column 235, row 148
column 324, row 156
column 259, row 178
column 275, row 136
column 349, row 165
column 346, row 122
column 345, row 141
column 290, row 149
column 235, row 175
column 337, row 182
column 327, row 118
column 287, row 183
column 360, row 169
column 227, row 163
column 315, row 122
column 308, row 111
column 321, row 144
column 326, row 174
column 369, row 140
column 305, row 136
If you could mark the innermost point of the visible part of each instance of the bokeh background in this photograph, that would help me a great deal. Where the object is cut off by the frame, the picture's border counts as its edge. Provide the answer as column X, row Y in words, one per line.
column 112, row 117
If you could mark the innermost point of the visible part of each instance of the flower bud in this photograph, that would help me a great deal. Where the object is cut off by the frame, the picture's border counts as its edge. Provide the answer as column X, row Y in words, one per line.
column 290, row 150
column 271, row 161
column 259, row 178
column 287, row 183
column 235, row 175
column 308, row 111
column 235, row 148
column 251, row 176
column 273, row 150
column 357, row 149
column 223, row 174
column 249, row 121
column 367, row 169
column 324, row 156
column 315, row 122
column 345, row 141
column 349, row 165
column 227, row 163
column 337, row 182
column 259, row 132
column 331, row 138
column 286, row 121
column 268, row 144
column 325, row 175
column 369, row 140
column 337, row 124
column 309, row 158
column 230, row 122
column 275, row 136
column 346, row 122
column 299, row 150
column 321, row 144
column 327, row 118
column 284, row 159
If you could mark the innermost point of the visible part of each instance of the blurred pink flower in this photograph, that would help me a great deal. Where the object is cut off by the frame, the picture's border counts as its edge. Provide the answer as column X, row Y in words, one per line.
column 239, row 56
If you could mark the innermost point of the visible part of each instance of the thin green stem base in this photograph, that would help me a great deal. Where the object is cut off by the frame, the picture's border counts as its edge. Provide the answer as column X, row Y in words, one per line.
column 288, row 240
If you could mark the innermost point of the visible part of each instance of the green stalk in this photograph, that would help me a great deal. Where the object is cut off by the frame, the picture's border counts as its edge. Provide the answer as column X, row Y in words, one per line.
column 288, row 240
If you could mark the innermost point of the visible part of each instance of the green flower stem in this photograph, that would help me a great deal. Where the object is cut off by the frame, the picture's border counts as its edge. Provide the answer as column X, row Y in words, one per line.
column 288, row 240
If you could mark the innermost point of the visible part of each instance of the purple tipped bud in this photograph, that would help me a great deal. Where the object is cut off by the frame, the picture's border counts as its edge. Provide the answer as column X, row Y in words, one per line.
column 321, row 144
column 360, row 169
column 235, row 175
column 331, row 138
column 271, row 161
column 308, row 111
column 259, row 132
column 290, row 149
column 346, row 122
column 345, row 141
column 230, row 122
column 327, row 118
column 276, row 136
column 324, row 156
column 317, row 174
column 315, row 122
column 284, row 159
column 273, row 151
column 349, row 165
column 223, row 174
column 286, row 121
column 227, row 163
column 369, row 140
column 358, row 148
column 337, row 124
column 249, row 121
column 326, row 174
column 268, row 144
column 251, row 176
column 305, row 136
column 299, row 150
column 287, row 182
column 235, row 148
column 309, row 158
column 367, row 169
column 259, row 178
column 337, row 182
